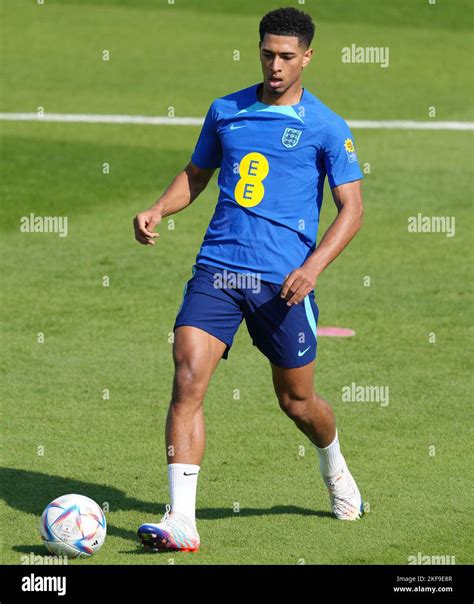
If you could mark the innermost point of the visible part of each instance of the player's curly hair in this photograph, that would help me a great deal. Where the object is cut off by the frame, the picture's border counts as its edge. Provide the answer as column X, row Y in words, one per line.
column 288, row 22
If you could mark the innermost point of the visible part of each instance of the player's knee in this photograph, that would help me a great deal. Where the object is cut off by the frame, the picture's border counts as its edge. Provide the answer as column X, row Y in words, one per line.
column 294, row 404
column 189, row 385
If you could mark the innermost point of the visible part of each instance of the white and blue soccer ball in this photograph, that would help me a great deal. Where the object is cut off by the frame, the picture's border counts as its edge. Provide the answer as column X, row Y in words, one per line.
column 73, row 526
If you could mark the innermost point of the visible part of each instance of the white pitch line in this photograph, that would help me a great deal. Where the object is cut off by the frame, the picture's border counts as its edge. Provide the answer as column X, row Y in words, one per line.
column 103, row 119
column 197, row 121
column 410, row 125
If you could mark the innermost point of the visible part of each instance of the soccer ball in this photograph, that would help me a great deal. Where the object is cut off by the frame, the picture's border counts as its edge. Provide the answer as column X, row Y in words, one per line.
column 72, row 526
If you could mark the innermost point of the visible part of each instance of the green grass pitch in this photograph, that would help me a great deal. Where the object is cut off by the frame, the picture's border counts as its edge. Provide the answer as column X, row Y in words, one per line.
column 59, row 435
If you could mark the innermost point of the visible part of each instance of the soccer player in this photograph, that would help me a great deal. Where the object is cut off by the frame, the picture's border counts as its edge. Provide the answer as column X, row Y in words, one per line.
column 274, row 144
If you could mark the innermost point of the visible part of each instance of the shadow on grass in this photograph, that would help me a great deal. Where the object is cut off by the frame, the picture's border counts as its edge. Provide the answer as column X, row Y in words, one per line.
column 29, row 491
column 214, row 513
column 37, row 550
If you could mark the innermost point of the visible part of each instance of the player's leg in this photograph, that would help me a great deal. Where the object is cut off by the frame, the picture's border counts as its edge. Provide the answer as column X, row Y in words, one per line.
column 204, row 330
column 287, row 337
column 311, row 413
column 314, row 417
column 196, row 354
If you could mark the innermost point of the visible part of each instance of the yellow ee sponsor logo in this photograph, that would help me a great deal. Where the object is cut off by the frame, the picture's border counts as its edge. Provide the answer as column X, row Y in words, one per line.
column 249, row 190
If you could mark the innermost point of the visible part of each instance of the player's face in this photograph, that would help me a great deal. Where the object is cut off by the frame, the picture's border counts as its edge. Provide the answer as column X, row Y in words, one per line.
column 283, row 60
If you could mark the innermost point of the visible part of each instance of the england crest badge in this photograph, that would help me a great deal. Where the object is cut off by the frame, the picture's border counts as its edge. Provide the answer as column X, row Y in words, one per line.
column 291, row 137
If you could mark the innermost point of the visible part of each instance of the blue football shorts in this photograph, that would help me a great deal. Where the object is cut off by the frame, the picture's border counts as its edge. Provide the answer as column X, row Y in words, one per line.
column 216, row 301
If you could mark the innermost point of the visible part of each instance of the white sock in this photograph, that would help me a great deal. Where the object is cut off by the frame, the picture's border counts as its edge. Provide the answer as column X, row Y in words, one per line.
column 331, row 461
column 182, row 478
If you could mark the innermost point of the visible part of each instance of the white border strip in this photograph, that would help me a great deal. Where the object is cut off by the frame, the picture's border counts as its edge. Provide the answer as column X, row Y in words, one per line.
column 194, row 121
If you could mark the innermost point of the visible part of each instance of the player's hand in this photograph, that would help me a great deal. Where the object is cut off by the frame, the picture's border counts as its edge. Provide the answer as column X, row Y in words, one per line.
column 297, row 285
column 144, row 223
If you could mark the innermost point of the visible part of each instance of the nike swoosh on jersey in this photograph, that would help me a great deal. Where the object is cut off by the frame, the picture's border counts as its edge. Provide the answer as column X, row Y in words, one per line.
column 234, row 127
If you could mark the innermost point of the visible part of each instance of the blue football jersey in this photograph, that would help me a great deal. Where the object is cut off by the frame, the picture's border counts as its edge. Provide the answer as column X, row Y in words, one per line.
column 273, row 161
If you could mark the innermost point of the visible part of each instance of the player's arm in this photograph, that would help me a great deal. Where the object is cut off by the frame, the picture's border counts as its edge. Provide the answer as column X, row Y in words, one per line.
column 182, row 191
column 348, row 200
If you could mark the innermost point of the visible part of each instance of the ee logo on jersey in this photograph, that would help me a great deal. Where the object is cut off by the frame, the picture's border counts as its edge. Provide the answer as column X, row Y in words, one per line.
column 253, row 170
